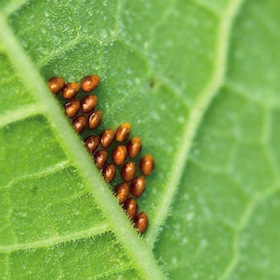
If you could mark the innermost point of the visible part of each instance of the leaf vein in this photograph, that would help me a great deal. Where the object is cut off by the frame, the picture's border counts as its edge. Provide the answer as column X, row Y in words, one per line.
column 248, row 213
column 19, row 114
column 196, row 116
column 50, row 170
column 134, row 246
column 98, row 230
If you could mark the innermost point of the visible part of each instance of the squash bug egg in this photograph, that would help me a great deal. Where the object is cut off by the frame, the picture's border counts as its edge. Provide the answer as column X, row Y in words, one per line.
column 70, row 90
column 79, row 124
column 128, row 171
column 107, row 137
column 141, row 222
column 88, row 103
column 95, row 119
column 56, row 84
column 91, row 143
column 147, row 165
column 72, row 108
column 122, row 192
column 100, row 158
column 138, row 186
column 123, row 132
column 134, row 147
column 109, row 172
column 131, row 207
column 119, row 154
column 89, row 83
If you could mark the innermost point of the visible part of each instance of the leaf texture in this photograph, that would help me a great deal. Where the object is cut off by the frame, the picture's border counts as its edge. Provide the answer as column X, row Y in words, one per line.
column 198, row 81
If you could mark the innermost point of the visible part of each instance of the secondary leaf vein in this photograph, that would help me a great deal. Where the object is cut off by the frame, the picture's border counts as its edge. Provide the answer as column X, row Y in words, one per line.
column 196, row 116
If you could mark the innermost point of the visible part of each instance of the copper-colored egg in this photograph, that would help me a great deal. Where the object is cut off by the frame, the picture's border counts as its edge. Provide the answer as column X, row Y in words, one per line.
column 88, row 103
column 119, row 154
column 70, row 90
column 109, row 172
column 100, row 158
column 134, row 147
column 91, row 143
column 147, row 165
column 56, row 84
column 122, row 192
column 107, row 137
column 128, row 171
column 138, row 186
column 89, row 83
column 72, row 108
column 131, row 207
column 123, row 132
column 79, row 124
column 95, row 119
column 141, row 222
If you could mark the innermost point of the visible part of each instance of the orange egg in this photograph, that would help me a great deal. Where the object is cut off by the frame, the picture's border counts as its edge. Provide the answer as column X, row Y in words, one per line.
column 122, row 192
column 147, row 164
column 72, row 108
column 109, row 172
column 138, row 186
column 128, row 171
column 119, row 154
column 91, row 143
column 70, row 90
column 141, row 222
column 88, row 103
column 100, row 158
column 107, row 137
column 131, row 207
column 123, row 132
column 89, row 83
column 95, row 119
column 56, row 84
column 134, row 147
column 79, row 124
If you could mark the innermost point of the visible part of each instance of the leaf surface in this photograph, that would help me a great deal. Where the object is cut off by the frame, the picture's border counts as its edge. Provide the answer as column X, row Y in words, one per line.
column 199, row 83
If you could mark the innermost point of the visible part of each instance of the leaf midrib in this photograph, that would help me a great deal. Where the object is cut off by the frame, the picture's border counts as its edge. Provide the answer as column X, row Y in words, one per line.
column 135, row 246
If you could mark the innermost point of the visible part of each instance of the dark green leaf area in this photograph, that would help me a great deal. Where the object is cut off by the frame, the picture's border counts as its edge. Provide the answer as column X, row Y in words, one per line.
column 86, row 258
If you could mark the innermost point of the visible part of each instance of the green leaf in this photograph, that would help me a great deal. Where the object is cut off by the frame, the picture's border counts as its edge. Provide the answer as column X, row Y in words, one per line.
column 198, row 81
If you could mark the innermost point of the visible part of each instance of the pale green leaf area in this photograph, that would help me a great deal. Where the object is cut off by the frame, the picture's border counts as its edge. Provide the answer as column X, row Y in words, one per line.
column 199, row 82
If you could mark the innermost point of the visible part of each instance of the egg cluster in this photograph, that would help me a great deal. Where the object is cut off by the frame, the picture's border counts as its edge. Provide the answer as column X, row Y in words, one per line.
column 112, row 150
